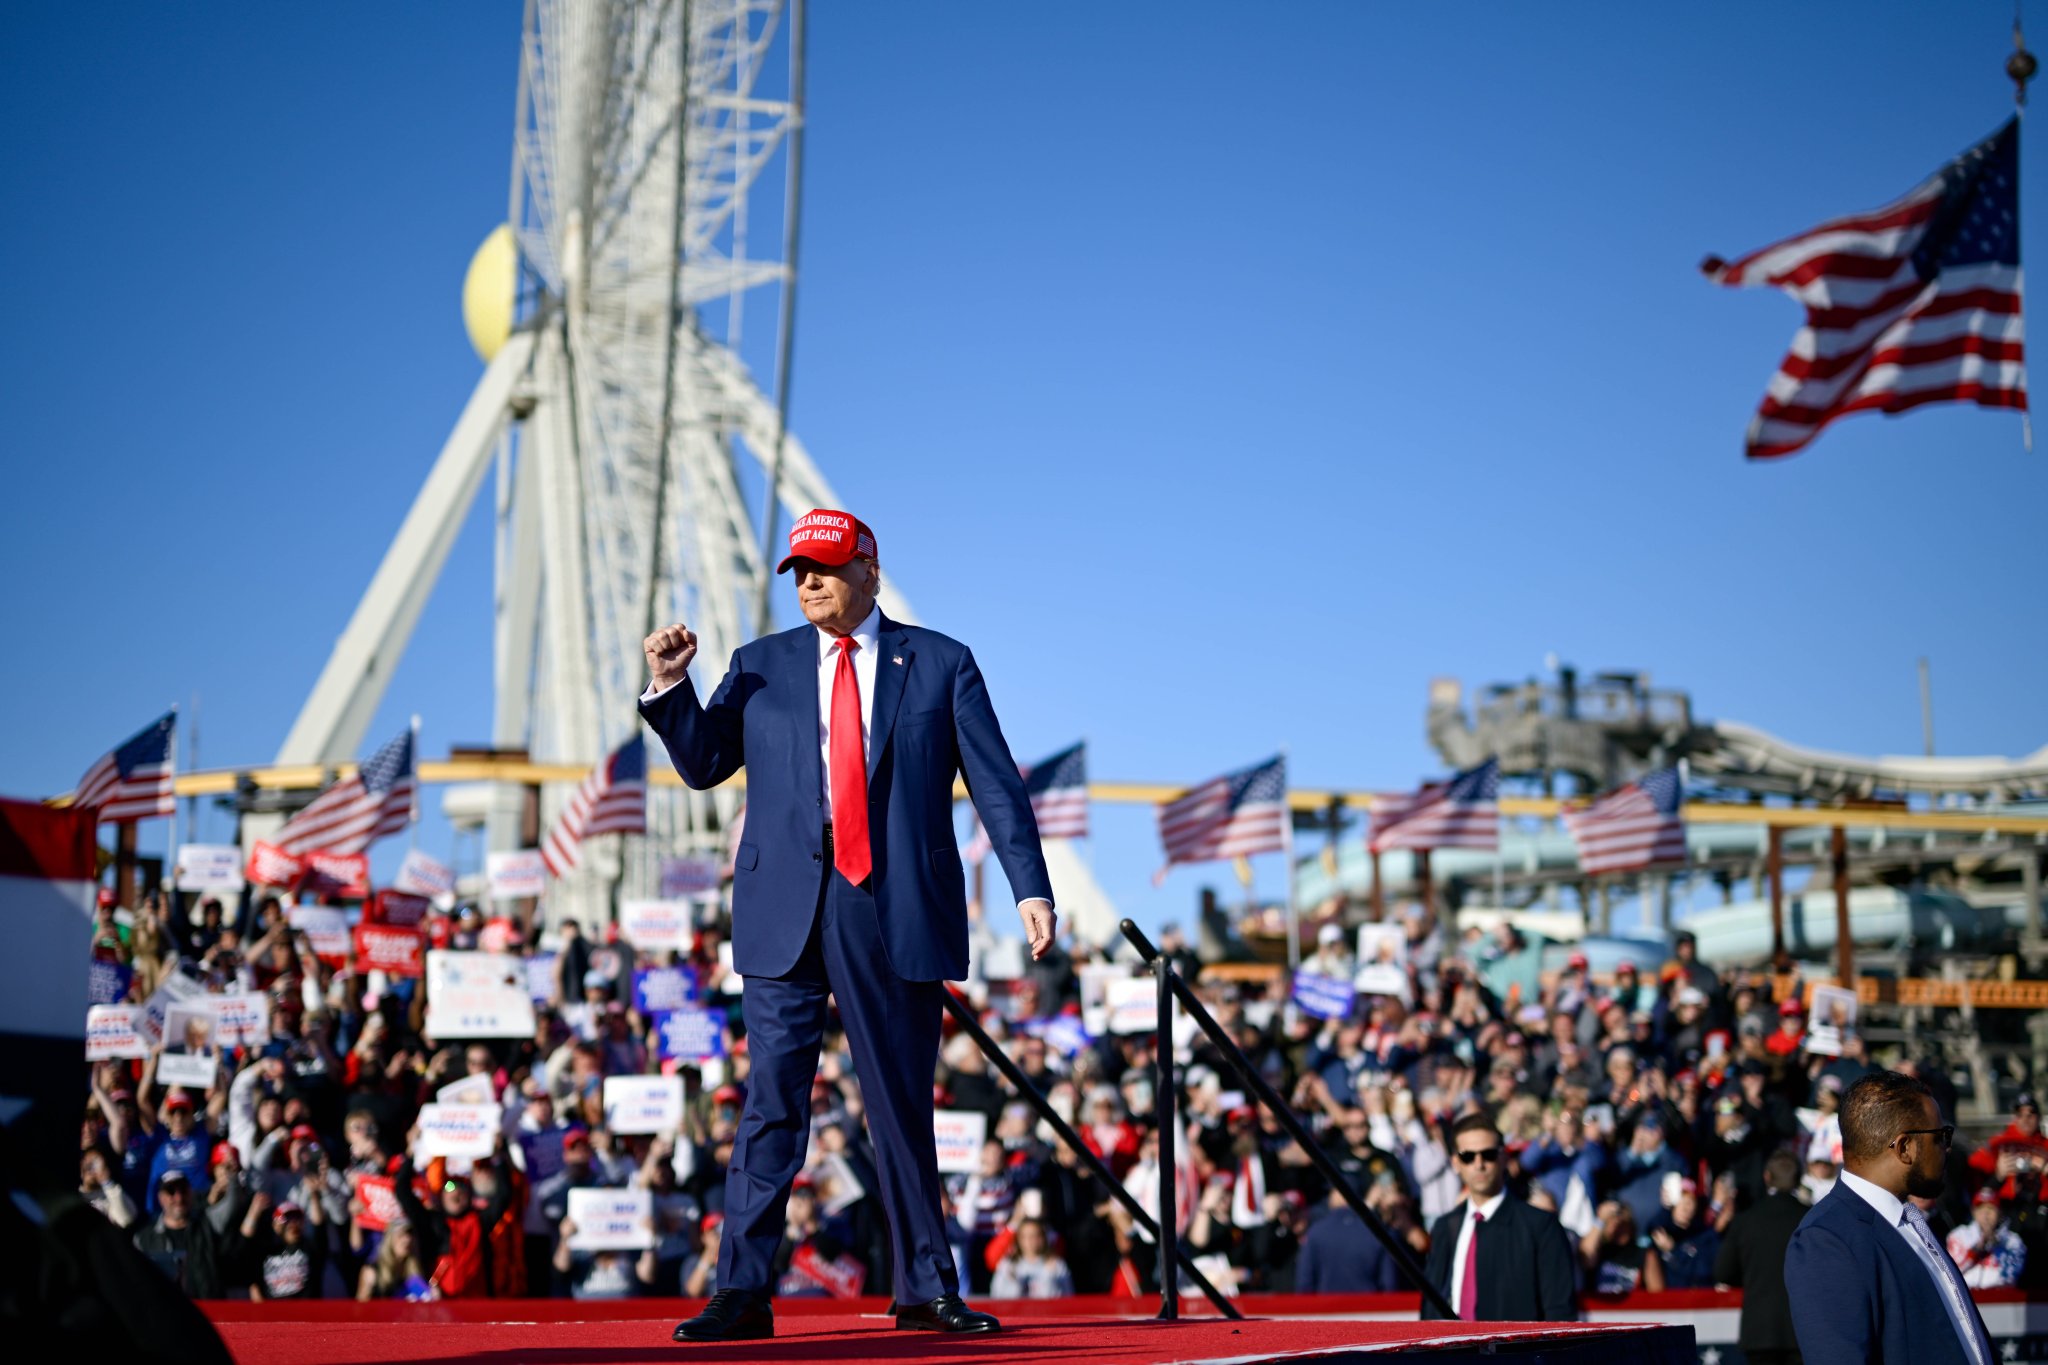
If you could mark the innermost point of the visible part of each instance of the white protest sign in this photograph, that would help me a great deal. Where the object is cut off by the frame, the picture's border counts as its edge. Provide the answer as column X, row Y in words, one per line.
column 656, row 926
column 112, row 1031
column 516, row 876
column 959, row 1134
column 682, row 877
column 1133, row 1005
column 643, row 1104
column 420, row 875
column 241, row 1020
column 477, row 995
column 1095, row 979
column 176, row 986
column 611, row 1220
column 325, row 928
column 458, row 1130
column 468, row 1090
column 197, row 1070
column 209, row 867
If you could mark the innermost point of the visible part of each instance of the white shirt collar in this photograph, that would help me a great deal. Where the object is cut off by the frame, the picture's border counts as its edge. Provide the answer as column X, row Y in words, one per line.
column 866, row 634
column 1490, row 1207
column 1889, row 1206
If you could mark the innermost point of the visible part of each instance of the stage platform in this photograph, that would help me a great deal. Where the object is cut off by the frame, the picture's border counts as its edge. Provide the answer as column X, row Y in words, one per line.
column 1082, row 1331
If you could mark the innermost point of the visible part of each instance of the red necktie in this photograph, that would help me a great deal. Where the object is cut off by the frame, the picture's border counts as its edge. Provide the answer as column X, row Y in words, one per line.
column 849, row 771
column 1468, row 1287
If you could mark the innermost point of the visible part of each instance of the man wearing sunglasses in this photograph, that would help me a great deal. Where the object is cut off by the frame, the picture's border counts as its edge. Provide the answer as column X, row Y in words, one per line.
column 1867, row 1279
column 1494, row 1257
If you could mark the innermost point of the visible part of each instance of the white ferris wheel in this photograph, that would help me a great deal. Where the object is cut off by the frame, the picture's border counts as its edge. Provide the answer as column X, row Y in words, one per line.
column 634, row 456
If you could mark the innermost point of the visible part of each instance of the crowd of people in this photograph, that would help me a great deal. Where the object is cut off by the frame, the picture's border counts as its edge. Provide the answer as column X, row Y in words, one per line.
column 1645, row 1109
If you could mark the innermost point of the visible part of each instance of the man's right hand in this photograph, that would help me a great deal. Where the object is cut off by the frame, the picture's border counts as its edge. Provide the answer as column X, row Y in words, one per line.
column 669, row 651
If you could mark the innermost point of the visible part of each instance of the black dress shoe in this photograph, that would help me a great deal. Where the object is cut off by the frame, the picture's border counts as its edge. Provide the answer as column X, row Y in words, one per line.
column 946, row 1313
column 731, row 1315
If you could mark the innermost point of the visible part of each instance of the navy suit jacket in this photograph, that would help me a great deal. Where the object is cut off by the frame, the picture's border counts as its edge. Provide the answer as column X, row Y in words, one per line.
column 1860, row 1295
column 931, row 719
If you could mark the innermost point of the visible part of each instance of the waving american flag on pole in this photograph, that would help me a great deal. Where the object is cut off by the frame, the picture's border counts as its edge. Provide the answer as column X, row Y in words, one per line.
column 1233, row 816
column 1917, row 302
column 360, row 809
column 134, row 780
column 1461, row 813
column 1633, row 826
column 1058, row 788
column 611, row 800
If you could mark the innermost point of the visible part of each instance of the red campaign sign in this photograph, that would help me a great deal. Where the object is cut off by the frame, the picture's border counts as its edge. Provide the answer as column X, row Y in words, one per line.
column 380, row 1202
column 346, row 875
column 841, row 1277
column 270, row 865
column 496, row 935
column 393, row 950
column 400, row 908
column 439, row 930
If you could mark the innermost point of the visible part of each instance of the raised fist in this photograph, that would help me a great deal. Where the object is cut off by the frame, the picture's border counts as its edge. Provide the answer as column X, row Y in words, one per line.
column 669, row 651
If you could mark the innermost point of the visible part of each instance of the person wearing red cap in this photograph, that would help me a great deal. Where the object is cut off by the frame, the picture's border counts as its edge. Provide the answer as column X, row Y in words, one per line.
column 852, row 728
column 1990, row 1254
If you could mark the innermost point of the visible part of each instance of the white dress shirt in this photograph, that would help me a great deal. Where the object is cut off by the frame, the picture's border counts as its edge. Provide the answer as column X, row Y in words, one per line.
column 1891, row 1210
column 1462, row 1249
column 868, row 634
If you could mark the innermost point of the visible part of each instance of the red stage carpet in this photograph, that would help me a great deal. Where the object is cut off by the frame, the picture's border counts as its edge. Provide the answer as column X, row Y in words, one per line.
column 1068, row 1332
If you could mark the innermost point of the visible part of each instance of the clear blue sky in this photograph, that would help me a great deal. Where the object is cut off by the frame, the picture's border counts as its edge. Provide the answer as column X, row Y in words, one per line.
column 1220, row 374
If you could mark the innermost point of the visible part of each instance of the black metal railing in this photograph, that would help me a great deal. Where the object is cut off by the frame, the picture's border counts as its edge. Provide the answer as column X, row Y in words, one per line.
column 1163, row 1230
column 1171, row 987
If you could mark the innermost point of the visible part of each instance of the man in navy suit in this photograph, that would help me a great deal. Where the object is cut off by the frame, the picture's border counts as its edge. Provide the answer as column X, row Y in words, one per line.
column 851, row 729
column 1867, row 1279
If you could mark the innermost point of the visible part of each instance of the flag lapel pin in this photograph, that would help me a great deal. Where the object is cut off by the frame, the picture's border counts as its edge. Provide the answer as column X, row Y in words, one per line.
column 896, row 659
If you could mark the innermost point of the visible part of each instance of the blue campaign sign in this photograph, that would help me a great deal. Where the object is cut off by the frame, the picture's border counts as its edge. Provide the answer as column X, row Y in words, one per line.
column 657, row 990
column 106, row 983
column 1063, row 1033
column 691, row 1034
column 1326, row 997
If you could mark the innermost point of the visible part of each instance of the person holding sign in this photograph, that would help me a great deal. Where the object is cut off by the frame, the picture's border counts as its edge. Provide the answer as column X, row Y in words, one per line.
column 852, row 728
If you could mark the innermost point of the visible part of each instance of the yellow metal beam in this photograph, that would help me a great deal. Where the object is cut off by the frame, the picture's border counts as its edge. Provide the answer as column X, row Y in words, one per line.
column 307, row 777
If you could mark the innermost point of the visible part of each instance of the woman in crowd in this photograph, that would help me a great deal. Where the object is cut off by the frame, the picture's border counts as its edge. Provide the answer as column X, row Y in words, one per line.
column 398, row 1272
column 1032, row 1270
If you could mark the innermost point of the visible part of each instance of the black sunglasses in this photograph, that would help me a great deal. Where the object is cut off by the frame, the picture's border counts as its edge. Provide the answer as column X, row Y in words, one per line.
column 1945, row 1135
column 1489, row 1155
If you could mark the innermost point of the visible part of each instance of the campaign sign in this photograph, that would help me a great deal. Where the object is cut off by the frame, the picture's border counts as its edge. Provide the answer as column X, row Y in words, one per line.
column 468, row 1090
column 643, row 1104
column 209, row 867
column 399, row 909
column 959, row 1134
column 496, row 935
column 196, row 1070
column 326, row 929
column 611, row 1220
column 389, row 949
column 176, row 986
column 1063, row 1033
column 515, row 876
column 468, row 1130
column 380, row 1202
column 421, row 876
column 658, row 989
column 540, row 975
column 477, row 995
column 343, row 875
column 1834, row 1015
column 1133, row 1005
column 110, row 1031
column 690, row 1033
column 106, row 983
column 1382, row 960
column 190, row 1024
column 685, row 877
column 270, row 865
column 241, row 1020
column 543, row 1154
column 1325, row 997
column 842, row 1277
column 656, row 926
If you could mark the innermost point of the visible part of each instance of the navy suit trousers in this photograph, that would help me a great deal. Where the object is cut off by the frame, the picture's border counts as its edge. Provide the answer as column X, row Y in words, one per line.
column 892, row 1026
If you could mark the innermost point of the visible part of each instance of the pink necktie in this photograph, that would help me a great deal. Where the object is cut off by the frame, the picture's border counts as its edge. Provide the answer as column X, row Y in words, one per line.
column 1468, row 1287
column 850, row 853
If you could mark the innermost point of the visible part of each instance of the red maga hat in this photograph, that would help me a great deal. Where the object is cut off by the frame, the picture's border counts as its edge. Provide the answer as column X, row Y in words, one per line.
column 829, row 537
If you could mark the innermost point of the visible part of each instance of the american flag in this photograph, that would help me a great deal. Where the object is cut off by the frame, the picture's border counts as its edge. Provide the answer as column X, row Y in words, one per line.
column 1632, row 826
column 135, row 780
column 1461, row 813
column 1917, row 302
column 1233, row 816
column 1058, row 788
column 358, row 810
column 612, row 800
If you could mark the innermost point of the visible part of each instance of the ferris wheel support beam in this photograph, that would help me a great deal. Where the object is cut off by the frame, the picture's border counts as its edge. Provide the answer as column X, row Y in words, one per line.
column 337, row 713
